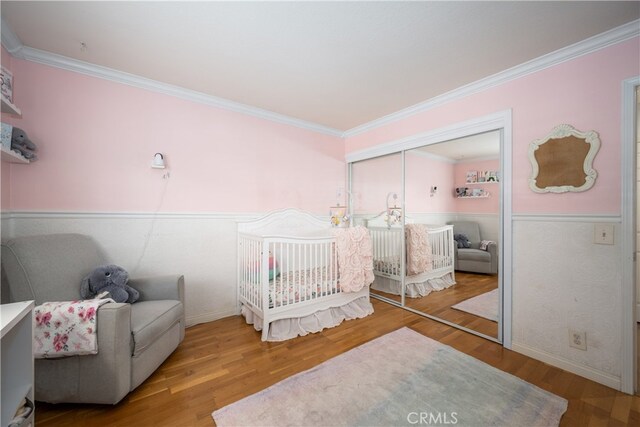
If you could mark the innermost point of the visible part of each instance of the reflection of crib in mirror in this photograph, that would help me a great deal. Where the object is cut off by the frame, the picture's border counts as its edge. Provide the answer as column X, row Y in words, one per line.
column 288, row 276
column 387, row 253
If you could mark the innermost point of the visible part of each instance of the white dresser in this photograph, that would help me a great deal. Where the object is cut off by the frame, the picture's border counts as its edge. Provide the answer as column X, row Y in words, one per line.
column 16, row 375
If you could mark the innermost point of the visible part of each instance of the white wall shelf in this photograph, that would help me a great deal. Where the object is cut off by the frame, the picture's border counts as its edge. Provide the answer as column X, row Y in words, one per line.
column 16, row 321
column 9, row 108
column 12, row 157
column 474, row 197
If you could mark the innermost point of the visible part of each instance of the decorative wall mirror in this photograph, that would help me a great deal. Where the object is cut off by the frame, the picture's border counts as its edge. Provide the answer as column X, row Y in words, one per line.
column 563, row 161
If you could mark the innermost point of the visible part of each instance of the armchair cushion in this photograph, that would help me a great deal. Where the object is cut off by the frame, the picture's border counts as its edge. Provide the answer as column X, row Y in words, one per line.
column 150, row 320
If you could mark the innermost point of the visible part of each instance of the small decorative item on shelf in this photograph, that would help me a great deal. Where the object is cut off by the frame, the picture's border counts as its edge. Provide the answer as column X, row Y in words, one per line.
column 6, row 84
column 472, row 176
column 5, row 136
column 466, row 192
column 339, row 216
column 493, row 176
column 461, row 191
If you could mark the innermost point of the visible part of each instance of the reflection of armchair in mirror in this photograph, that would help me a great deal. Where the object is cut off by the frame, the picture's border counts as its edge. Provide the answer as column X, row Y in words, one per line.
column 475, row 258
column 563, row 161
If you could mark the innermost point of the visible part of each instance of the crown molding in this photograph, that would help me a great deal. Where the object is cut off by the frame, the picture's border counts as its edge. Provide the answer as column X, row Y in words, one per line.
column 70, row 64
column 584, row 47
column 13, row 45
column 10, row 41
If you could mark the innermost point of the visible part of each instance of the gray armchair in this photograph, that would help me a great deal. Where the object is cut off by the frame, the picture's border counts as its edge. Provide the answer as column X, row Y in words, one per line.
column 133, row 339
column 474, row 259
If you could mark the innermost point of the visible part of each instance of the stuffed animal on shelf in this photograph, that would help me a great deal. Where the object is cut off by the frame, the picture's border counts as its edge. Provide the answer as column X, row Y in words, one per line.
column 21, row 144
column 112, row 279
column 462, row 241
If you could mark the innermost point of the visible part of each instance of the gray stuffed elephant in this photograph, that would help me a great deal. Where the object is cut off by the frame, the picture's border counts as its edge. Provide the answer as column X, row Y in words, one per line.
column 112, row 279
column 21, row 143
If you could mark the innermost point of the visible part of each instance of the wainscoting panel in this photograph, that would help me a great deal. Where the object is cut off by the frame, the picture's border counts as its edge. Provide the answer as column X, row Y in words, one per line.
column 200, row 246
column 563, row 281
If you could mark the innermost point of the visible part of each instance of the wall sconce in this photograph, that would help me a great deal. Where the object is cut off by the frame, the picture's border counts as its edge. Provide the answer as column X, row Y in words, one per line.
column 434, row 191
column 394, row 213
column 158, row 161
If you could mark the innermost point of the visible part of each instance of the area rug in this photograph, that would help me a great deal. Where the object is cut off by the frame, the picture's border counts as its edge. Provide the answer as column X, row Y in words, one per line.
column 402, row 378
column 484, row 305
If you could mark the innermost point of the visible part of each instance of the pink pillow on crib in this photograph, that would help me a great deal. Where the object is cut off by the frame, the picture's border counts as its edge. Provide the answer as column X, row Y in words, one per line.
column 274, row 270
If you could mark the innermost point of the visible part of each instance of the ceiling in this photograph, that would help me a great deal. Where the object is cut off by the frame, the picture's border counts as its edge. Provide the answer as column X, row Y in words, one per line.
column 336, row 64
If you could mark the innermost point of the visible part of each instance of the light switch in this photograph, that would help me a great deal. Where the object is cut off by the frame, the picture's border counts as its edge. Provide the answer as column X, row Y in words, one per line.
column 603, row 234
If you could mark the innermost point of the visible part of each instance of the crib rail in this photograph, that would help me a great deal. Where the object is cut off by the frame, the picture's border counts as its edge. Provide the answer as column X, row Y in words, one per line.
column 441, row 239
column 387, row 250
column 276, row 272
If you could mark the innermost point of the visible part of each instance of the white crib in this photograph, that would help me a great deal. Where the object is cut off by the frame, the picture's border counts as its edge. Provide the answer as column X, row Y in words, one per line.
column 387, row 253
column 288, row 269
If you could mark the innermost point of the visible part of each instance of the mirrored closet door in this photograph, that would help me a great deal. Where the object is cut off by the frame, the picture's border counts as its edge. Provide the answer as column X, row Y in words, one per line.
column 434, row 214
column 452, row 205
column 376, row 193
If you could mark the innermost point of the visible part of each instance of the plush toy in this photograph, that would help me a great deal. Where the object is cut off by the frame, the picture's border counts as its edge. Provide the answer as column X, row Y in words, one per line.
column 112, row 279
column 462, row 241
column 21, row 143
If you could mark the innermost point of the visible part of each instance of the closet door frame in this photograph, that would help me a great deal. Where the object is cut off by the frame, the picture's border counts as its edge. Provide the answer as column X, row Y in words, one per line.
column 501, row 121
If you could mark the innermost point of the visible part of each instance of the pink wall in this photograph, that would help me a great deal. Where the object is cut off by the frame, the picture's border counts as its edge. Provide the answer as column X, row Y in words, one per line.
column 373, row 180
column 488, row 205
column 96, row 140
column 584, row 92
column 421, row 174
column 5, row 177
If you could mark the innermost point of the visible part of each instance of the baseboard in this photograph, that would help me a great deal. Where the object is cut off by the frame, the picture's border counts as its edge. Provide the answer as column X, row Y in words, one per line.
column 568, row 365
column 210, row 317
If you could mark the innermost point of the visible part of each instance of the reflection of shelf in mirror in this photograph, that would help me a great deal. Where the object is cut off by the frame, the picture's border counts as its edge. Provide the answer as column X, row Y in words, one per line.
column 474, row 197
column 482, row 183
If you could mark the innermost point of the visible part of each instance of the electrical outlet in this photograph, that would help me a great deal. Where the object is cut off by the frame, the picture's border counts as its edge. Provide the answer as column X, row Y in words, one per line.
column 577, row 339
column 603, row 234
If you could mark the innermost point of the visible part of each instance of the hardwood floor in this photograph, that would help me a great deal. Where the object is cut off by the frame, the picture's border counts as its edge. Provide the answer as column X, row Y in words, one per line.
column 223, row 361
column 438, row 304
column 468, row 285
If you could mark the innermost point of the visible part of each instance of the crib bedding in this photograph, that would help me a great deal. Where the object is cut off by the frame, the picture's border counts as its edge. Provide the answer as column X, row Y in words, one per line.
column 295, row 286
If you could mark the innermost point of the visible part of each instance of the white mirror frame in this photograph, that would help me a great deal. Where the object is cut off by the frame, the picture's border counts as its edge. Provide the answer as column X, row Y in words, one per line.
column 563, row 131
